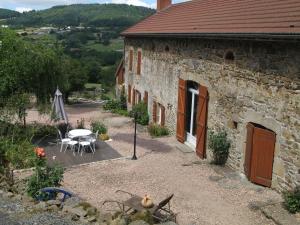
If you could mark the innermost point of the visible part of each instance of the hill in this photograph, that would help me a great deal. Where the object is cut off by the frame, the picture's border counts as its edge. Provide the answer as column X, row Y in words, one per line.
column 7, row 13
column 115, row 15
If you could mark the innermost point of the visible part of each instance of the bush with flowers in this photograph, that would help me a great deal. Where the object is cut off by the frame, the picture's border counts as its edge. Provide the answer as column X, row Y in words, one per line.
column 44, row 175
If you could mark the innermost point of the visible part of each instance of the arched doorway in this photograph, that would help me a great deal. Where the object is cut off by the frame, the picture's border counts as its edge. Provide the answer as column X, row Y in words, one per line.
column 191, row 112
column 259, row 155
column 192, row 115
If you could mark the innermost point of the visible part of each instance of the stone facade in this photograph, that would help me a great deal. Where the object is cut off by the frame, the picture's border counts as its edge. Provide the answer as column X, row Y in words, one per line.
column 261, row 85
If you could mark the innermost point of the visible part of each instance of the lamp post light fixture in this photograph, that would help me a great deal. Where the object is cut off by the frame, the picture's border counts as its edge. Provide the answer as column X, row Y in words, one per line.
column 134, row 142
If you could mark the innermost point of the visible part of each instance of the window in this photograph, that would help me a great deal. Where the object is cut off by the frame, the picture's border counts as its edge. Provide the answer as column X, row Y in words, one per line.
column 129, row 93
column 139, row 61
column 130, row 59
column 158, row 113
column 137, row 97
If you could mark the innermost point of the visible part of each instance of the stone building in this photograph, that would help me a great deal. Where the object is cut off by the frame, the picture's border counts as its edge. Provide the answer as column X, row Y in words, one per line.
column 231, row 65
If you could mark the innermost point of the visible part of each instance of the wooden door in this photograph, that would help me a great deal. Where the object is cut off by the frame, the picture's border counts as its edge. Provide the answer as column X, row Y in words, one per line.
column 262, row 156
column 181, row 111
column 202, row 121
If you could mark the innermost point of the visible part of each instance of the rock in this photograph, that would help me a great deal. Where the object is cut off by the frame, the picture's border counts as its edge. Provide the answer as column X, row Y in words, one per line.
column 215, row 178
column 73, row 201
column 9, row 194
column 139, row 222
column 1, row 193
column 91, row 211
column 53, row 208
column 53, row 202
column 67, row 208
column 118, row 221
column 41, row 206
column 18, row 197
column 75, row 217
column 26, row 199
column 91, row 219
column 168, row 223
column 79, row 211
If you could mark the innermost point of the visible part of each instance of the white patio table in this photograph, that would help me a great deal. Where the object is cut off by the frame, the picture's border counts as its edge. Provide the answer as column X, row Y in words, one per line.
column 76, row 133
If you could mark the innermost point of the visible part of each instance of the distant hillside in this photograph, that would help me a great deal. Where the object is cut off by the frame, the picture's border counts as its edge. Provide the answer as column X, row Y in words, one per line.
column 115, row 15
column 7, row 13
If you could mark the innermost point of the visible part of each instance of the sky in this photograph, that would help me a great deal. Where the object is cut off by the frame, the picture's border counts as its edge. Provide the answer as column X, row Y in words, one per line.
column 27, row 5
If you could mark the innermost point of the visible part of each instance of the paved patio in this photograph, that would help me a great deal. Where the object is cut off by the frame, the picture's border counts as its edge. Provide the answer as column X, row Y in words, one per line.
column 67, row 159
column 203, row 194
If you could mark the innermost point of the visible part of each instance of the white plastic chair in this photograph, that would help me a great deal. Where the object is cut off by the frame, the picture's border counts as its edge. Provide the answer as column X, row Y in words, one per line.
column 83, row 143
column 72, row 144
column 63, row 141
column 93, row 139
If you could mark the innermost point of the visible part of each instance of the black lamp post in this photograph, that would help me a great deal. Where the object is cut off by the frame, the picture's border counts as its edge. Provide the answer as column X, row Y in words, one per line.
column 134, row 142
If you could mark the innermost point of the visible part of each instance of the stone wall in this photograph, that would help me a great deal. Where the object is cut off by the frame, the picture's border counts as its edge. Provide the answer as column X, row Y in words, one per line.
column 261, row 85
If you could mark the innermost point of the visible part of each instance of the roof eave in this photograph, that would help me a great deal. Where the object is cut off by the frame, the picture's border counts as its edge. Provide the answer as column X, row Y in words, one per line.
column 289, row 36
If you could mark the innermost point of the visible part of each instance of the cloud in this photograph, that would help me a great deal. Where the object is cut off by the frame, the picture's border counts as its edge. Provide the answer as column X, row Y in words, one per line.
column 133, row 2
column 23, row 9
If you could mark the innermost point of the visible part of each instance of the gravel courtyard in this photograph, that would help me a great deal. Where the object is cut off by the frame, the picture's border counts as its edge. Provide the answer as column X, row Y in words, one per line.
column 203, row 193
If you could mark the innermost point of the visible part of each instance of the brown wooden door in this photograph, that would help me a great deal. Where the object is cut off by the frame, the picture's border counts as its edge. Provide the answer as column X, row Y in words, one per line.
column 248, row 154
column 202, row 121
column 181, row 111
column 262, row 156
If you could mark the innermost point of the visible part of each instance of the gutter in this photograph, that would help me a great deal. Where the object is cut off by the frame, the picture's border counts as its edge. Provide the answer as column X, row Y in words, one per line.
column 244, row 36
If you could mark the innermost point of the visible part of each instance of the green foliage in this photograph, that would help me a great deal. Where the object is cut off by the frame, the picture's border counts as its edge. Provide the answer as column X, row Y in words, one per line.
column 7, row 13
column 112, row 104
column 28, row 68
column 44, row 176
column 142, row 113
column 292, row 200
column 84, row 14
column 20, row 154
column 98, row 126
column 219, row 144
column 157, row 130
column 44, row 130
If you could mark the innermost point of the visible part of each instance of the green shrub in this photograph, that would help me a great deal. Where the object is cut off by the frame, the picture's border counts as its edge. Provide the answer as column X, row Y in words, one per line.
column 19, row 154
column 43, row 130
column 157, row 130
column 105, row 97
column 98, row 126
column 219, row 144
column 121, row 112
column 292, row 200
column 43, row 176
column 112, row 104
column 142, row 113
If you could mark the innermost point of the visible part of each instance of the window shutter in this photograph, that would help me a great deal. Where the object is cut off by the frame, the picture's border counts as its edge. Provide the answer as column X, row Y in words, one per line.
column 201, row 121
column 129, row 93
column 133, row 96
column 162, row 108
column 130, row 59
column 140, row 96
column 139, row 61
column 146, row 98
column 181, row 111
column 248, row 153
column 154, row 109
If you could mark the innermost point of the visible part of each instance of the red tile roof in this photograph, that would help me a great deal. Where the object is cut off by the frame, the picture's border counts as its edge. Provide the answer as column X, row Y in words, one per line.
column 222, row 17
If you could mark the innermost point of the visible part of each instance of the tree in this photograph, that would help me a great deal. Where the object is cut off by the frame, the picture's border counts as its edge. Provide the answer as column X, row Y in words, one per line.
column 27, row 69
column 76, row 76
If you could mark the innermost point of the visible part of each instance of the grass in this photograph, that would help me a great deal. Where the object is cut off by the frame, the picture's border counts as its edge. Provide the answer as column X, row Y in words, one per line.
column 92, row 85
column 115, row 44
